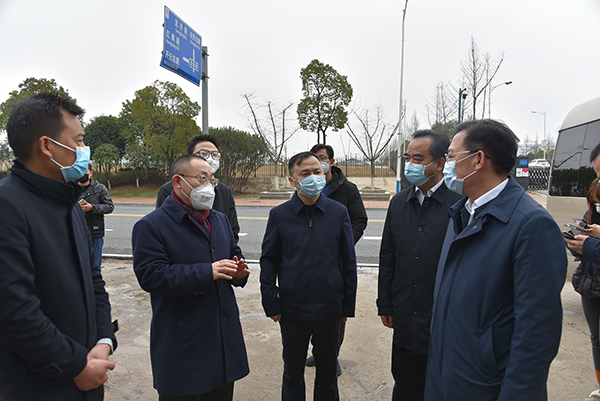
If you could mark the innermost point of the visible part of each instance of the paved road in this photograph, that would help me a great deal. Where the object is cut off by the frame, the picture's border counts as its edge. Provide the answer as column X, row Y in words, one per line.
column 253, row 221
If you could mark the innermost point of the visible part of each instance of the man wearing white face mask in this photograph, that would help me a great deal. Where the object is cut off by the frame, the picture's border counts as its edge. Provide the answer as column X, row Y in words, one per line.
column 185, row 256
column 207, row 147
column 55, row 328
column 413, row 234
column 308, row 278
column 497, row 313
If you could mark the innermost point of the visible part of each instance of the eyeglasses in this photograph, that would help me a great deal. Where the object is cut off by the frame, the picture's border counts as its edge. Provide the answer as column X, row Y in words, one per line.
column 203, row 180
column 204, row 153
column 451, row 156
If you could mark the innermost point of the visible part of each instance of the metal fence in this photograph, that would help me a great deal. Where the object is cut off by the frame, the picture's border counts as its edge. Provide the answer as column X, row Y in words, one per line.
column 538, row 177
column 352, row 167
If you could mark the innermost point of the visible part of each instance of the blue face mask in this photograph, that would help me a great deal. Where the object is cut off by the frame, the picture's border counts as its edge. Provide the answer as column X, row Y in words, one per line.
column 312, row 185
column 455, row 184
column 415, row 173
column 79, row 168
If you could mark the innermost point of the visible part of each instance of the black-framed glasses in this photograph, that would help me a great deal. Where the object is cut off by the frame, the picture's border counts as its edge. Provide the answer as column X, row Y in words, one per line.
column 451, row 156
column 203, row 180
column 204, row 153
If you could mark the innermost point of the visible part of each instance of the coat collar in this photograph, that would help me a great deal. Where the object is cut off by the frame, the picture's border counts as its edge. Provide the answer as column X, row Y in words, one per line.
column 297, row 203
column 59, row 192
column 439, row 195
column 502, row 207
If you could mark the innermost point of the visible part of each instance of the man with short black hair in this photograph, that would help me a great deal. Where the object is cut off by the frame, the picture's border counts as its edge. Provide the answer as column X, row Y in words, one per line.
column 207, row 147
column 412, row 240
column 308, row 278
column 185, row 256
column 55, row 326
column 497, row 313
column 95, row 201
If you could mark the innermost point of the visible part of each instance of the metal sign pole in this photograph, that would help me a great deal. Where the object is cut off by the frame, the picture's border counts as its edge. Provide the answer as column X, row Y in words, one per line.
column 205, row 90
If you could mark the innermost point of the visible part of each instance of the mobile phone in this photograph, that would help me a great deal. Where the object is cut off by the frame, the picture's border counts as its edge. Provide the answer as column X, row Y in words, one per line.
column 580, row 223
column 568, row 234
column 81, row 201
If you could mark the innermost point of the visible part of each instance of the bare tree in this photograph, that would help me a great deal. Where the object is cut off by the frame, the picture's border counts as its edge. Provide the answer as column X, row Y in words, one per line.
column 478, row 72
column 271, row 128
column 373, row 136
column 443, row 107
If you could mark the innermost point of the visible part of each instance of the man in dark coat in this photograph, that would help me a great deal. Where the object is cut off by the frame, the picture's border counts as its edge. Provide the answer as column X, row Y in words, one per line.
column 207, row 147
column 413, row 234
column 95, row 201
column 308, row 278
column 497, row 314
column 55, row 327
column 345, row 192
column 185, row 256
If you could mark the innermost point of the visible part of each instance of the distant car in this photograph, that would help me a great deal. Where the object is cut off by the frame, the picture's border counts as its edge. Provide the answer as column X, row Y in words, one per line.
column 539, row 163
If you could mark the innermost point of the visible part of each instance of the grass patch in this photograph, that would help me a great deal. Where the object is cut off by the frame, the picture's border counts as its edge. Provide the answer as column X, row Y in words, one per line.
column 131, row 191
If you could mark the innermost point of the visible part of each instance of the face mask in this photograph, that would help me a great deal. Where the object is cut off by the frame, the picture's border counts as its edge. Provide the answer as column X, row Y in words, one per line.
column 312, row 185
column 202, row 197
column 325, row 167
column 415, row 173
column 213, row 163
column 79, row 168
column 455, row 184
column 597, row 207
column 84, row 179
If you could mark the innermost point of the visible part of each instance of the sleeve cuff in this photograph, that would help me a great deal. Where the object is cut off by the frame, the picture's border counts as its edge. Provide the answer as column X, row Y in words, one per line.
column 106, row 341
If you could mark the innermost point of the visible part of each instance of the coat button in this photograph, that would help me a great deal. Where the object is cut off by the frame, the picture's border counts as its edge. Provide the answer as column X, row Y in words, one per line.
column 420, row 229
column 417, row 256
column 416, row 284
column 416, row 312
column 224, row 318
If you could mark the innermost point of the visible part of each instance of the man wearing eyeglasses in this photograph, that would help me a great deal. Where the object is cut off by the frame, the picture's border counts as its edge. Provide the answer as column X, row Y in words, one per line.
column 497, row 313
column 207, row 147
column 413, row 234
column 185, row 256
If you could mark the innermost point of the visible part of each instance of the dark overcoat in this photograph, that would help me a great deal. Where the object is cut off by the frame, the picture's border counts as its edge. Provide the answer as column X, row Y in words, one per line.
column 497, row 314
column 53, row 306
column 196, row 340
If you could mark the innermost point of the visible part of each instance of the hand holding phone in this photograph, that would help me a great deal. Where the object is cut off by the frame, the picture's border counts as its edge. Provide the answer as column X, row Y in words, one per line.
column 568, row 234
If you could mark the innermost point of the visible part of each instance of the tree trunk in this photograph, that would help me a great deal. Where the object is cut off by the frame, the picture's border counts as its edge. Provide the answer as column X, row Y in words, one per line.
column 276, row 183
column 372, row 174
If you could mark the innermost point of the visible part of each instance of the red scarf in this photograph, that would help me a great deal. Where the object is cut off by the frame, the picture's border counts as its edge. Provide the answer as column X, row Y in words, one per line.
column 201, row 216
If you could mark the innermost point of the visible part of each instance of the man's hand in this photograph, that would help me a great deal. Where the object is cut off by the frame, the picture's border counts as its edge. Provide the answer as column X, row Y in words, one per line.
column 86, row 207
column 276, row 318
column 93, row 375
column 225, row 269
column 577, row 243
column 593, row 230
column 387, row 321
column 100, row 351
column 242, row 268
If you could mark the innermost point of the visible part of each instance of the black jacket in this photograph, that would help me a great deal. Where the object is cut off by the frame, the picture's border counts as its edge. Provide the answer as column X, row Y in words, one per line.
column 54, row 306
column 97, row 195
column 224, row 203
column 348, row 195
column 412, row 241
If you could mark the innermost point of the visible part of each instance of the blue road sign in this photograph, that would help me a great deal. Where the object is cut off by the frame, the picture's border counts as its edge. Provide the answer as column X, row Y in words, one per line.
column 182, row 48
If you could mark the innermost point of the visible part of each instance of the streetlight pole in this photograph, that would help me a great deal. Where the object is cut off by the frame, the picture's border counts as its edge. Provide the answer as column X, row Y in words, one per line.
column 462, row 95
column 490, row 96
column 400, row 142
column 544, row 114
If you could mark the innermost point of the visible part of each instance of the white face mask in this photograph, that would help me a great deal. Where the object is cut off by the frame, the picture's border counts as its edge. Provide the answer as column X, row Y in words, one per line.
column 202, row 197
column 325, row 166
column 213, row 163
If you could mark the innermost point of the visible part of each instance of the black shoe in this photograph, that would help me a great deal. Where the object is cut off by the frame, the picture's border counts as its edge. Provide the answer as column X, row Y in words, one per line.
column 339, row 368
column 310, row 361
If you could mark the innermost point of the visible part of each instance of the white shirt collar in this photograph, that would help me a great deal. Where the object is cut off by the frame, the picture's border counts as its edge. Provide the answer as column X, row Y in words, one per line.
column 483, row 199
column 421, row 196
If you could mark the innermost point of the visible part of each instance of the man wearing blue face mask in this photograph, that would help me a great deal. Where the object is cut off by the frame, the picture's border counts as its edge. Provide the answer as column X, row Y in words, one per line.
column 497, row 313
column 55, row 328
column 410, row 249
column 308, row 278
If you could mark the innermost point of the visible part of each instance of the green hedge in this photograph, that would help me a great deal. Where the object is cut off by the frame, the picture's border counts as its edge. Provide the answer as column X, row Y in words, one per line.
column 127, row 177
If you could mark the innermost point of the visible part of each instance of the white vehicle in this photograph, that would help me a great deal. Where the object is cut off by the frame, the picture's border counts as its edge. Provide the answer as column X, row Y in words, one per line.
column 539, row 163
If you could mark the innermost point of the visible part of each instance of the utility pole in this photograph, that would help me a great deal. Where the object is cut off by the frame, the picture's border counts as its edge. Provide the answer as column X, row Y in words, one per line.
column 544, row 140
column 400, row 141
column 204, row 89
column 462, row 95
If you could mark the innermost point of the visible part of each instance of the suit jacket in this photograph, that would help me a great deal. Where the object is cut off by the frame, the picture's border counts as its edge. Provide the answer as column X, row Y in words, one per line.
column 196, row 340
column 497, row 314
column 54, row 306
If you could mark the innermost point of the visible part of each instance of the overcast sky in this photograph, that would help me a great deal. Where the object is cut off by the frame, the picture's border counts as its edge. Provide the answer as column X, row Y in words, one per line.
column 102, row 52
